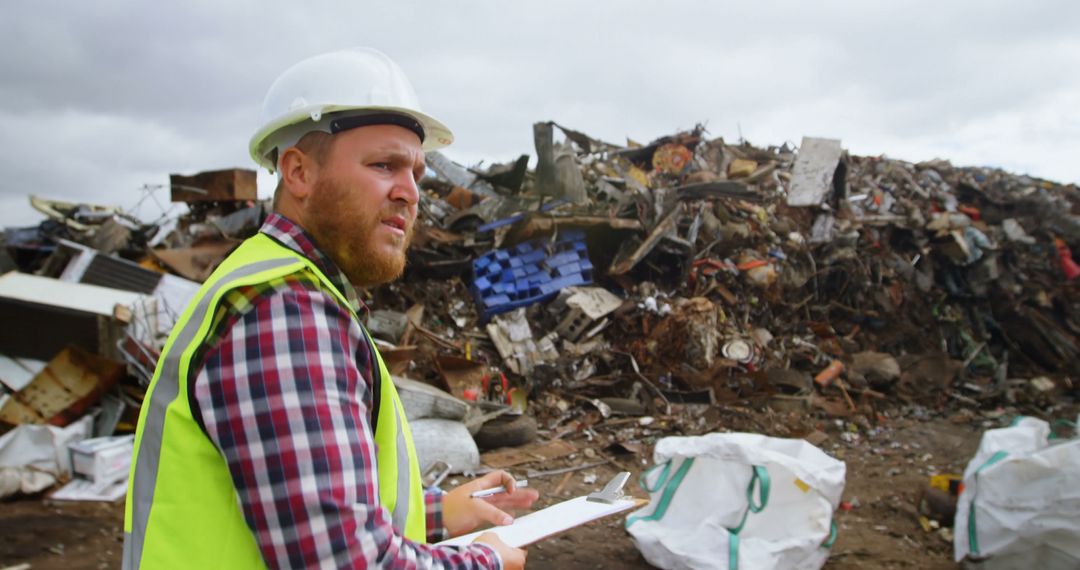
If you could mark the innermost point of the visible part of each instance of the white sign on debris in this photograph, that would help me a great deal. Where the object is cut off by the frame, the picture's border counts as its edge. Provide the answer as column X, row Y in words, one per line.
column 596, row 302
column 812, row 175
column 56, row 293
column 100, row 466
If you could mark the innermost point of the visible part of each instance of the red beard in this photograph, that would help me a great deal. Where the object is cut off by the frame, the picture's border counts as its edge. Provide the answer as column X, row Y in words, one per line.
column 348, row 233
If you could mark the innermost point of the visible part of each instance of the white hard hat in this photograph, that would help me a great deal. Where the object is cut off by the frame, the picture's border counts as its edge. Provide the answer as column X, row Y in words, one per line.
column 336, row 91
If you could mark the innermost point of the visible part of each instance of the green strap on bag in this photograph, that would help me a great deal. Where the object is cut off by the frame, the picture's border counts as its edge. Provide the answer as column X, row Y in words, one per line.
column 832, row 536
column 659, row 480
column 669, row 486
column 973, row 538
column 759, row 479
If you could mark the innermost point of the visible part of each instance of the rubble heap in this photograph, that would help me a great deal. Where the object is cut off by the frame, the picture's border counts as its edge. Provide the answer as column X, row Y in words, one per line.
column 798, row 278
column 652, row 281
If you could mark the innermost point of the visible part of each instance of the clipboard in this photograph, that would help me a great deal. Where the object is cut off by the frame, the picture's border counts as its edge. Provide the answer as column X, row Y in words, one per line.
column 558, row 518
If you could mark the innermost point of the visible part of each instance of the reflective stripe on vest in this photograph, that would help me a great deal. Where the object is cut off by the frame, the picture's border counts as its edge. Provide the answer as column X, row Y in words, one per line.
column 182, row 509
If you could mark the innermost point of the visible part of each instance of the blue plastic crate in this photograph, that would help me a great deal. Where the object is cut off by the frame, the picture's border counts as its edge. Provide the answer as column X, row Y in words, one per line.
column 529, row 272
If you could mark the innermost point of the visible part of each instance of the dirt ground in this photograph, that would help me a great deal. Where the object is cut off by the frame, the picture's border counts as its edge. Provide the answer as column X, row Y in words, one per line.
column 886, row 465
column 884, row 476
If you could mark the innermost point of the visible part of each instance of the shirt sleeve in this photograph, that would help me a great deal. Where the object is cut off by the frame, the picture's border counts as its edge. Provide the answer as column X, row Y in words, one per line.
column 283, row 397
column 436, row 530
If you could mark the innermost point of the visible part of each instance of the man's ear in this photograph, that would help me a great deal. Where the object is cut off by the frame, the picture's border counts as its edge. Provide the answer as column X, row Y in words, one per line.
column 298, row 172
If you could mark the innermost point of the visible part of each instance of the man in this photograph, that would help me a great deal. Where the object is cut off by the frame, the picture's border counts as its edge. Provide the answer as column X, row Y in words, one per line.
column 272, row 433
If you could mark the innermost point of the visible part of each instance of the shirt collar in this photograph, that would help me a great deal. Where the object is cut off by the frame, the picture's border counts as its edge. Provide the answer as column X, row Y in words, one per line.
column 289, row 234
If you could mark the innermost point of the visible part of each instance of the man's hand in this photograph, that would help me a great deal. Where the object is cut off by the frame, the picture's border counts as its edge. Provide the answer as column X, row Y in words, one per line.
column 462, row 513
column 512, row 558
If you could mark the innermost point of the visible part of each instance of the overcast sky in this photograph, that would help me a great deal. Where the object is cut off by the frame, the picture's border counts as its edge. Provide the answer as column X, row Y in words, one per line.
column 98, row 99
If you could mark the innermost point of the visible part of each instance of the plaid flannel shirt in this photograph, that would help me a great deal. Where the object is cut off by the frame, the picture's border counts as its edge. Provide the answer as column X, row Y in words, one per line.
column 284, row 391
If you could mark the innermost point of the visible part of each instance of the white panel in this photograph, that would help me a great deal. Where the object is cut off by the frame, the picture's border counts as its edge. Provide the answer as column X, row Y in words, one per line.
column 56, row 293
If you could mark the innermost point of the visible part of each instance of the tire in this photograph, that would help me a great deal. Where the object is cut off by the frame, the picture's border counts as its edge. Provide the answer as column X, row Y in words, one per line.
column 506, row 431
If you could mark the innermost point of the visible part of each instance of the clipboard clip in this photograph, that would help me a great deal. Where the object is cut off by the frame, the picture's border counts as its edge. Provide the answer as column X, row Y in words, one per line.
column 611, row 492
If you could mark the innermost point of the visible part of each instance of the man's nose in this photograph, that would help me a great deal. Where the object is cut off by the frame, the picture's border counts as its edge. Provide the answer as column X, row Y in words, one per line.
column 406, row 189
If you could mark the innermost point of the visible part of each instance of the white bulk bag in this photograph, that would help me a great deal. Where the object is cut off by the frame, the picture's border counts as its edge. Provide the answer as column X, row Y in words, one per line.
column 448, row 441
column 1020, row 507
column 731, row 500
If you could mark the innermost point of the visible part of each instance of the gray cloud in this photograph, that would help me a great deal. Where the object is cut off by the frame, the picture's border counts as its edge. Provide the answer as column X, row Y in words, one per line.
column 100, row 98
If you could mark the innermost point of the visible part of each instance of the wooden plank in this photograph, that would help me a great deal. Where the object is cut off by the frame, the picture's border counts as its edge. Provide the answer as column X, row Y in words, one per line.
column 665, row 228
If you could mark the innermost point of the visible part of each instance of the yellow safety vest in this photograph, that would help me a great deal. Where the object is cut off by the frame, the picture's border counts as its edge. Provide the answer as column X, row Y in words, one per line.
column 182, row 510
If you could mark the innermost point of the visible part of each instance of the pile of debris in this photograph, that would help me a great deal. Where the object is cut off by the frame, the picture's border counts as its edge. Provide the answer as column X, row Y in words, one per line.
column 89, row 296
column 628, row 289
column 802, row 279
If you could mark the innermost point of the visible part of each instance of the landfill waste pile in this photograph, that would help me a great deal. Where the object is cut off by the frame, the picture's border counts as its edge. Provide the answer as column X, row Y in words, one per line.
column 607, row 296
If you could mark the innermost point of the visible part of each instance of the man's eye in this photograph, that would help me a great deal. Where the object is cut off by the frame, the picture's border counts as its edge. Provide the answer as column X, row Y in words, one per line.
column 382, row 165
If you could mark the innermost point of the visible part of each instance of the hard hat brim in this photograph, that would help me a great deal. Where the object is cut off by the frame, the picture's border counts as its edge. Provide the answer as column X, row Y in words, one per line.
column 436, row 134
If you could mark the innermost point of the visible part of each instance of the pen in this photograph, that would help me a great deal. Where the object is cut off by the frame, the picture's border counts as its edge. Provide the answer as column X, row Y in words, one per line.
column 497, row 490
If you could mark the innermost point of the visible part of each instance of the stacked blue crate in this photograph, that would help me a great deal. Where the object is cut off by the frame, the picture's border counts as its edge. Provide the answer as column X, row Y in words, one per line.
column 529, row 272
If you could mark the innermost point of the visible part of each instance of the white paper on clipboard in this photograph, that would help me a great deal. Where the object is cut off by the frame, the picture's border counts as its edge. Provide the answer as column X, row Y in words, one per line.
column 541, row 524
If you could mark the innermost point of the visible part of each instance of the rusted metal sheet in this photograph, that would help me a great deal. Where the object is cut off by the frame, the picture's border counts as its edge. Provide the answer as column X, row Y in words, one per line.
column 232, row 185
column 70, row 383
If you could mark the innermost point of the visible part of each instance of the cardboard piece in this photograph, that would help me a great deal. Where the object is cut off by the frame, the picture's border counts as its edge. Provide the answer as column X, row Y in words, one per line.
column 461, row 376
